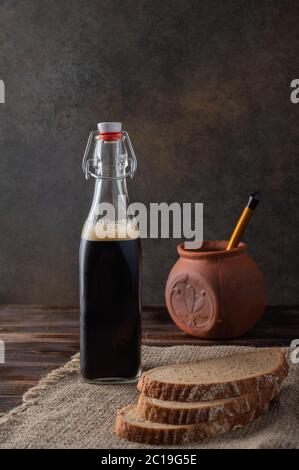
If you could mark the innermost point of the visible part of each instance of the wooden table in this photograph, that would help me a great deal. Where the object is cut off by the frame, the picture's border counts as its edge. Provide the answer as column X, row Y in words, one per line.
column 41, row 338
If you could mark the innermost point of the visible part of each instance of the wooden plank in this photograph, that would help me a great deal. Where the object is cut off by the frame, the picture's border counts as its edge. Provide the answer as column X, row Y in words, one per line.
column 9, row 402
column 35, row 357
column 41, row 347
column 15, row 323
column 15, row 387
column 262, row 342
column 30, row 312
column 20, row 336
column 26, row 370
column 281, row 332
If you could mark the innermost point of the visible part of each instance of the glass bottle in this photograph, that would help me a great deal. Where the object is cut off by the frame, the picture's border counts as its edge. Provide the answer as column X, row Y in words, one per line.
column 110, row 263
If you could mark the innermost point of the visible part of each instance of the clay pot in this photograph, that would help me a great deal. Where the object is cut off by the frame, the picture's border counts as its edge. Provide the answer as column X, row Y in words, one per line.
column 213, row 293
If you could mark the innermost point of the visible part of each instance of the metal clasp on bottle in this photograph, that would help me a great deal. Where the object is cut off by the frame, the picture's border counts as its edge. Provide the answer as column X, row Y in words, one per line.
column 87, row 162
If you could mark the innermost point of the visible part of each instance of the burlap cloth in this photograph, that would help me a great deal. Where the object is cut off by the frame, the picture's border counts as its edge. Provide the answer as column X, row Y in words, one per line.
column 62, row 411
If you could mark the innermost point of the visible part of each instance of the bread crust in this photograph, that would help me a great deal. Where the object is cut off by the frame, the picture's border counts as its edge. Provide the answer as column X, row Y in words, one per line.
column 213, row 391
column 164, row 412
column 147, row 433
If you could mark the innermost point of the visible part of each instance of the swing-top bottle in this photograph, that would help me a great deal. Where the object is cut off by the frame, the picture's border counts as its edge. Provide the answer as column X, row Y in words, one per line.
column 110, row 263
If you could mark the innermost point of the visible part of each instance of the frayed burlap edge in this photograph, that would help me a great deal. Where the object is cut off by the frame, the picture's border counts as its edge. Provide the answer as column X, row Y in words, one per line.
column 32, row 395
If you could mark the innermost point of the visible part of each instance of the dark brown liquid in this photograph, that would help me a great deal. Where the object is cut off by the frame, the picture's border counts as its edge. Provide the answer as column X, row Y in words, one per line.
column 110, row 307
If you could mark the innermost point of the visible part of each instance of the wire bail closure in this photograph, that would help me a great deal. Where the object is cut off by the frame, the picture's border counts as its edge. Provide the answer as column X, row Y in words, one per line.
column 88, row 162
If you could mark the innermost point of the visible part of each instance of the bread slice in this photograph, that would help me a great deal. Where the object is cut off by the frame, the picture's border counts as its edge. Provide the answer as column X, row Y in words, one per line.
column 129, row 425
column 177, row 412
column 216, row 378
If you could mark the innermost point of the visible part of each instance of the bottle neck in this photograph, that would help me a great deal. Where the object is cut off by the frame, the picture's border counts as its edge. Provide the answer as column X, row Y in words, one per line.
column 110, row 186
column 110, row 159
column 109, row 191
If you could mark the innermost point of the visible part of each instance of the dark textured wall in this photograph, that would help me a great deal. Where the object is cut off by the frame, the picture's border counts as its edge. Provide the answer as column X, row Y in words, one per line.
column 203, row 88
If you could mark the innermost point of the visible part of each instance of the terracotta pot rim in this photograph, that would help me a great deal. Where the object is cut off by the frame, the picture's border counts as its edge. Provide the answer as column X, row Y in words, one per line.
column 211, row 249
